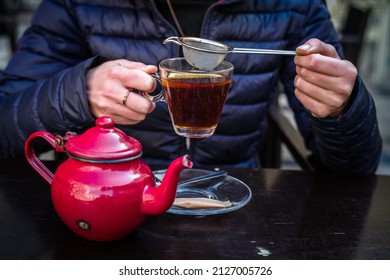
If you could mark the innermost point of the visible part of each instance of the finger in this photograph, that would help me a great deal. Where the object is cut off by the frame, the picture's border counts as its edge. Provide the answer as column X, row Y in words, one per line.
column 316, row 108
column 326, row 97
column 309, row 90
column 335, row 84
column 120, row 114
column 320, row 79
column 323, row 64
column 133, row 78
column 150, row 69
column 124, row 115
column 314, row 77
column 122, row 70
column 129, row 118
column 136, row 65
column 107, row 103
column 138, row 103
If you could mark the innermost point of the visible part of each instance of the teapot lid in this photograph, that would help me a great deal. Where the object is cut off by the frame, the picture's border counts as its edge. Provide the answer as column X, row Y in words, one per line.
column 103, row 142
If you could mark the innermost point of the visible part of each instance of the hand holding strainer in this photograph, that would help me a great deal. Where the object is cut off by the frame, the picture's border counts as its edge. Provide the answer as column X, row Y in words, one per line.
column 207, row 54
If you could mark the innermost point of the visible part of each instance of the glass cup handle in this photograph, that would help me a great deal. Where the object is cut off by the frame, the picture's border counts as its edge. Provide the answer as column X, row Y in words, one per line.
column 158, row 94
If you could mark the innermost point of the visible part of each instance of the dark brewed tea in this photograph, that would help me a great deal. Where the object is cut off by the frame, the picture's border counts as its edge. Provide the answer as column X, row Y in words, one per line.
column 195, row 97
column 195, row 102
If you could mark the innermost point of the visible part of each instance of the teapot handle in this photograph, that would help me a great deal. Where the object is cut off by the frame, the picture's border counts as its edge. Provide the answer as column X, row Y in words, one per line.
column 32, row 158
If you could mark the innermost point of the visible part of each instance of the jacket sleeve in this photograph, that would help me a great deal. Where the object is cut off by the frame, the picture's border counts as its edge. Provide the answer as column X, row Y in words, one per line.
column 43, row 86
column 351, row 142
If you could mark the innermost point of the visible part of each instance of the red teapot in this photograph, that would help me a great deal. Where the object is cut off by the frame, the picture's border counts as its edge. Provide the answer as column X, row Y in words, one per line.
column 103, row 191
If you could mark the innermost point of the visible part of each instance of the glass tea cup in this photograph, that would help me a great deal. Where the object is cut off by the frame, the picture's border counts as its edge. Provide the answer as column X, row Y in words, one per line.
column 195, row 97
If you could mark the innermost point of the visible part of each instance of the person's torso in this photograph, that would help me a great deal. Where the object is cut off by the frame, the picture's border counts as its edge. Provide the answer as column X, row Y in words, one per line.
column 135, row 30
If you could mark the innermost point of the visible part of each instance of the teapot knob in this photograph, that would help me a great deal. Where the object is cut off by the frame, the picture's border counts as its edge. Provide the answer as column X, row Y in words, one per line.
column 105, row 122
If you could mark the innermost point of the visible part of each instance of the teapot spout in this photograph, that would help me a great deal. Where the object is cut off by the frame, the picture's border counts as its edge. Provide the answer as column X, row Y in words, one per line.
column 158, row 199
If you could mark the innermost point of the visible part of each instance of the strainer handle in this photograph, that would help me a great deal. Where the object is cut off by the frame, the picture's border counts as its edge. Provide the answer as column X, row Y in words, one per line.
column 264, row 51
column 173, row 39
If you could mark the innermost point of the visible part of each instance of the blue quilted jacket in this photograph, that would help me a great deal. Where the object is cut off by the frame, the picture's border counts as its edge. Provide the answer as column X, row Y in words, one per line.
column 43, row 86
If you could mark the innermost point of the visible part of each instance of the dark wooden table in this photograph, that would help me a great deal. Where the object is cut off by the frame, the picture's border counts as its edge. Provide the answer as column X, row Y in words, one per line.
column 292, row 215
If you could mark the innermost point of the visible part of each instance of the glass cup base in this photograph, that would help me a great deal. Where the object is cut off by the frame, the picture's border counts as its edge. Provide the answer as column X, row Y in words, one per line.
column 194, row 133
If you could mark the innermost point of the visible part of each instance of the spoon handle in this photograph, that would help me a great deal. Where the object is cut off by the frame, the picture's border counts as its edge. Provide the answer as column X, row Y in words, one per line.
column 203, row 177
column 264, row 51
column 200, row 178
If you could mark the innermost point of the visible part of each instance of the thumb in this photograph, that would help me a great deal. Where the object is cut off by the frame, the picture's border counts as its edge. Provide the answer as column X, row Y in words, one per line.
column 316, row 46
